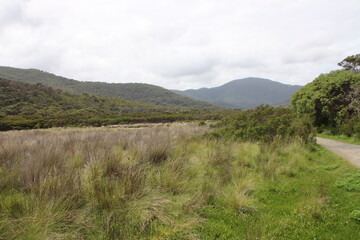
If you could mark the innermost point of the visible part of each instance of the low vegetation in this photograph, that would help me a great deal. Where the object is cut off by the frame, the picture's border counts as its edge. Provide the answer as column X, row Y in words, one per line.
column 351, row 183
column 170, row 182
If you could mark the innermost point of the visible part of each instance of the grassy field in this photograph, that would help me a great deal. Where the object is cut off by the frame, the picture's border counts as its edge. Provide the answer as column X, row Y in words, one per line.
column 171, row 182
column 341, row 138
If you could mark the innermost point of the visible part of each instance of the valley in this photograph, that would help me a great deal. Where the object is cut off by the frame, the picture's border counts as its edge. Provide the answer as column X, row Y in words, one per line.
column 179, row 120
column 85, row 166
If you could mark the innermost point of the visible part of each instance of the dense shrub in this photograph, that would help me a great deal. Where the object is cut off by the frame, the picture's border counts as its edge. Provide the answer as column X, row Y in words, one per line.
column 351, row 127
column 332, row 101
column 265, row 123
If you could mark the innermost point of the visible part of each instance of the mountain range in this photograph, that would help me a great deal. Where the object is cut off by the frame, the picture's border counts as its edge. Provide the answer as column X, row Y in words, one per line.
column 244, row 93
column 240, row 94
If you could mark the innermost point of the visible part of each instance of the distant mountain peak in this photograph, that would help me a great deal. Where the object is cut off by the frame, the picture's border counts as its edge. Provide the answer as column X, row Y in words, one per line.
column 244, row 93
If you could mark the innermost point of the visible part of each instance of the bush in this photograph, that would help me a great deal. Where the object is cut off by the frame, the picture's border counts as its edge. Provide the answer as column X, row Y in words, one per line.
column 332, row 101
column 264, row 123
column 202, row 123
column 351, row 127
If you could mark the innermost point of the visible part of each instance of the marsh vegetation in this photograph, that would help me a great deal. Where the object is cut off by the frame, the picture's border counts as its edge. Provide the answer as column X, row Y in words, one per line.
column 170, row 182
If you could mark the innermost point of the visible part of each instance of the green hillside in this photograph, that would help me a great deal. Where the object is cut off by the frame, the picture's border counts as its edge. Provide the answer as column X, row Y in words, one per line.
column 24, row 105
column 139, row 92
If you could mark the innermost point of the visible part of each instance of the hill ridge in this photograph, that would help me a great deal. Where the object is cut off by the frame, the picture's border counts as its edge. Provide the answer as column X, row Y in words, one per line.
column 140, row 92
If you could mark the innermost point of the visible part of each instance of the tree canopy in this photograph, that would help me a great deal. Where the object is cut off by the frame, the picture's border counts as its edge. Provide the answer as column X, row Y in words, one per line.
column 328, row 98
column 351, row 63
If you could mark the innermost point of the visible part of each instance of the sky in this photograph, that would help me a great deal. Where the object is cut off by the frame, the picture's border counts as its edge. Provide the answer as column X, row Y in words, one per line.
column 179, row 44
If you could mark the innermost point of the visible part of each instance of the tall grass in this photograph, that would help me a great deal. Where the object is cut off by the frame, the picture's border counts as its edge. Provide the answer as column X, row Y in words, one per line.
column 146, row 183
column 94, row 183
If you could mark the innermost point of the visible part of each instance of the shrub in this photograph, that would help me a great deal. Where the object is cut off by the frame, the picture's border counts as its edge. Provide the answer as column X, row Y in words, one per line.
column 351, row 127
column 326, row 98
column 202, row 123
column 332, row 101
column 265, row 123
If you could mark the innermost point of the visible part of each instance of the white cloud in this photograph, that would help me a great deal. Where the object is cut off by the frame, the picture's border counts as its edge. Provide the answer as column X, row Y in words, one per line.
column 179, row 44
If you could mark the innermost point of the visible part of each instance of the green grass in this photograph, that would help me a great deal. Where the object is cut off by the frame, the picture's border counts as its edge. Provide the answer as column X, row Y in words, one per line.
column 307, row 206
column 341, row 138
column 355, row 215
column 171, row 183
column 351, row 183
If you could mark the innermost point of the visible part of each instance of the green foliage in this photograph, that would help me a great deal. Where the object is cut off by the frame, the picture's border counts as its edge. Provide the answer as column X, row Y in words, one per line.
column 330, row 168
column 265, row 123
column 303, row 207
column 351, row 127
column 355, row 215
column 351, row 184
column 351, row 63
column 326, row 99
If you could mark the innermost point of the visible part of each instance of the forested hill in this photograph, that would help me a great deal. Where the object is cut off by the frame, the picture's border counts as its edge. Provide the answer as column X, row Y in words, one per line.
column 138, row 92
column 245, row 93
column 39, row 101
column 25, row 106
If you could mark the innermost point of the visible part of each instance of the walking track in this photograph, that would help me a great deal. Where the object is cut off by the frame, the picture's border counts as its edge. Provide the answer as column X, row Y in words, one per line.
column 347, row 151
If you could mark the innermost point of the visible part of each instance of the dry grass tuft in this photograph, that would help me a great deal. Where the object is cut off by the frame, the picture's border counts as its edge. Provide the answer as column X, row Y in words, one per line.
column 237, row 195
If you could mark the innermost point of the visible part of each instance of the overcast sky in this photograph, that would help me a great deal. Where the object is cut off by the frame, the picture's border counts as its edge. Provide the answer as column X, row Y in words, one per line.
column 179, row 44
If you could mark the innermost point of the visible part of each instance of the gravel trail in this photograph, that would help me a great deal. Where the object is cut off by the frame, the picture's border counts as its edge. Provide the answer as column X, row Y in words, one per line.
column 347, row 151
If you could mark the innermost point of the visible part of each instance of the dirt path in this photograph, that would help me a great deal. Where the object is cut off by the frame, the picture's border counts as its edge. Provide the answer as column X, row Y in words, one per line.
column 347, row 151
